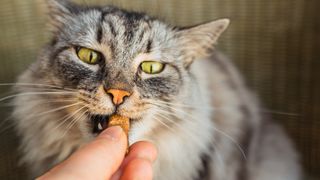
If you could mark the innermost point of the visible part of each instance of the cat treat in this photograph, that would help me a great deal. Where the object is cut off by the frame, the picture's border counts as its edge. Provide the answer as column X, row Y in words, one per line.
column 123, row 122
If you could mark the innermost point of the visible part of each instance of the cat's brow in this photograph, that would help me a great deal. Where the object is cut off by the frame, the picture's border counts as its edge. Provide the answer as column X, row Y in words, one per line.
column 149, row 46
column 99, row 28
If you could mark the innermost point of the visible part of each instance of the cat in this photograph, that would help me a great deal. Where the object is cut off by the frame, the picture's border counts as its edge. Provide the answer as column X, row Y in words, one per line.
column 178, row 91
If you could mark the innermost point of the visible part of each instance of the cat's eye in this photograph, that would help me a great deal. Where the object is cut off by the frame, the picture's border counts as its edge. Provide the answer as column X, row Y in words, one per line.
column 152, row 67
column 88, row 55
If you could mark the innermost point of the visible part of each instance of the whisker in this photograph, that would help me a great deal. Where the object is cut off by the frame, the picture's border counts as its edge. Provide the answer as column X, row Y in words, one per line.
column 199, row 106
column 43, row 89
column 62, row 100
column 35, row 84
column 57, row 109
column 279, row 112
column 50, row 111
column 10, row 104
column 215, row 109
column 171, row 106
column 73, row 122
column 220, row 131
column 9, row 124
column 7, row 127
column 179, row 105
column 175, row 109
column 167, row 118
column 173, row 122
column 164, row 124
column 64, row 119
column 35, row 93
column 233, row 140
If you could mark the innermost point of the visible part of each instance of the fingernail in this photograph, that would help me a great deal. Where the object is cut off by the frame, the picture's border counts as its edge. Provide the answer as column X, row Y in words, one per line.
column 113, row 132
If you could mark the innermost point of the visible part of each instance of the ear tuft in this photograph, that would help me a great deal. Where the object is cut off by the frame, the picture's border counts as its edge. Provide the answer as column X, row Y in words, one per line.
column 198, row 41
column 222, row 24
column 59, row 11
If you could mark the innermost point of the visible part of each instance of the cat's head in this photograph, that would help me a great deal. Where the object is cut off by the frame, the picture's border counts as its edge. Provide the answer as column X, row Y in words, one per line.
column 122, row 62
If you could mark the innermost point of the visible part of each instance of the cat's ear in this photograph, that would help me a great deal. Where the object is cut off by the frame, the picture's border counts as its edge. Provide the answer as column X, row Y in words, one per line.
column 59, row 11
column 198, row 41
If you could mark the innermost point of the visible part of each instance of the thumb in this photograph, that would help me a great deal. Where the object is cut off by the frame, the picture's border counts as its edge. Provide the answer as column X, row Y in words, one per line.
column 96, row 160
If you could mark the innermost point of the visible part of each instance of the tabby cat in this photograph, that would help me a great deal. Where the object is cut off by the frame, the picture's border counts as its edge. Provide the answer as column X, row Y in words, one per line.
column 180, row 94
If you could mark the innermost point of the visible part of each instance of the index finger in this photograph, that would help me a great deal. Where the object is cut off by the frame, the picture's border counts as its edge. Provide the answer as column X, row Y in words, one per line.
column 96, row 160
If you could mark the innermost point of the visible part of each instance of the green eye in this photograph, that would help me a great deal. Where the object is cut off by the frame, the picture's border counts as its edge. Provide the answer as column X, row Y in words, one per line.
column 88, row 56
column 152, row 67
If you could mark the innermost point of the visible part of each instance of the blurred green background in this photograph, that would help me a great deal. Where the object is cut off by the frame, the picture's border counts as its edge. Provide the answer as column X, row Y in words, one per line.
column 275, row 44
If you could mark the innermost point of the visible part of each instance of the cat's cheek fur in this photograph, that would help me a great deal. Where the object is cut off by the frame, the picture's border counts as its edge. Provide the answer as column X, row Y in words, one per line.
column 189, row 132
column 79, row 74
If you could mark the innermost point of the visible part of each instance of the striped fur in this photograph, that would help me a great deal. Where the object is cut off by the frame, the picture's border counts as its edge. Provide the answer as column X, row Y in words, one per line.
column 197, row 111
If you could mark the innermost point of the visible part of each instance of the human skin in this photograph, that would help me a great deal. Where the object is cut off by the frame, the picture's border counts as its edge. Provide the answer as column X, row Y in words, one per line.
column 104, row 158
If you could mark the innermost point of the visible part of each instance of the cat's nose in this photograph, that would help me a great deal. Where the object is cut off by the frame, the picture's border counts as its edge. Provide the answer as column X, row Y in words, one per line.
column 118, row 95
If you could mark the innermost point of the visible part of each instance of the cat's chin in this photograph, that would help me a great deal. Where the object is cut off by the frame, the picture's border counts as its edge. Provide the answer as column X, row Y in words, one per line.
column 100, row 122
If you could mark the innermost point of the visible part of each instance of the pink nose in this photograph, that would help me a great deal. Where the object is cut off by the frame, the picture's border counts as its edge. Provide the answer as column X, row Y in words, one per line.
column 118, row 95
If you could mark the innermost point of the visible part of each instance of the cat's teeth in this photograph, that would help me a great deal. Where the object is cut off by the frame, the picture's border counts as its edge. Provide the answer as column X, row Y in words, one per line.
column 100, row 126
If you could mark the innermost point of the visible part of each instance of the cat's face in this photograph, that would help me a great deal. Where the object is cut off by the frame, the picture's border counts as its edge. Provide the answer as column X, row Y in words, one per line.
column 121, row 62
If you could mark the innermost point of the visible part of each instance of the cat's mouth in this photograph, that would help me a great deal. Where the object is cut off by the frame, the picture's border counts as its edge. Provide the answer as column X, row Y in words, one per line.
column 100, row 122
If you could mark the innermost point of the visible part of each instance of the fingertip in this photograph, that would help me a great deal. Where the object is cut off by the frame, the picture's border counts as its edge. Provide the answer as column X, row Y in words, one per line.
column 138, row 168
column 113, row 133
column 144, row 149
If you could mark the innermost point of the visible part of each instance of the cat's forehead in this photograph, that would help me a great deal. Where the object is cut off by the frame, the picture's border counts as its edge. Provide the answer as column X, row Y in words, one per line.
column 126, row 33
column 119, row 34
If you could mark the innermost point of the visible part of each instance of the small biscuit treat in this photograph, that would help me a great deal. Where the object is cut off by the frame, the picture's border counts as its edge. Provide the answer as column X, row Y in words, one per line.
column 123, row 122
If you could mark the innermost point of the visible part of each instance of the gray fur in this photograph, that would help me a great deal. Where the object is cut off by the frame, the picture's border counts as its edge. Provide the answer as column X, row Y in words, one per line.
column 197, row 111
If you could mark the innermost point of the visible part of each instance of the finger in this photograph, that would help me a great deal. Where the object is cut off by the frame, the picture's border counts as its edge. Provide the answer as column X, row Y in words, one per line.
column 96, row 160
column 144, row 150
column 138, row 169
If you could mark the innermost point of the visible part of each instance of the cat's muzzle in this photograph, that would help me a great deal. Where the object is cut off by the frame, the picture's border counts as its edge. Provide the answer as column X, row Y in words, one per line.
column 100, row 122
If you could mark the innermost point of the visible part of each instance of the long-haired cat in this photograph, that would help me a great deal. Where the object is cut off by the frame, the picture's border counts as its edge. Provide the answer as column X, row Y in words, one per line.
column 178, row 92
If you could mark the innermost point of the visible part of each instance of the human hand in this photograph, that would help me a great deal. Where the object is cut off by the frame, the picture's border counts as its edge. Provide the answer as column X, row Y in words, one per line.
column 104, row 158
